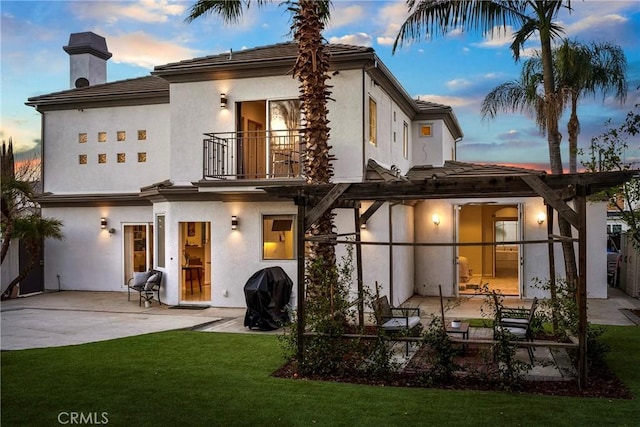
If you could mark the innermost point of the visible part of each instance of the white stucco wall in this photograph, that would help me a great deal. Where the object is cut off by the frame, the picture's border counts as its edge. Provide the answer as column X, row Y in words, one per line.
column 434, row 265
column 596, row 250
column 89, row 258
column 63, row 174
column 195, row 110
column 384, row 265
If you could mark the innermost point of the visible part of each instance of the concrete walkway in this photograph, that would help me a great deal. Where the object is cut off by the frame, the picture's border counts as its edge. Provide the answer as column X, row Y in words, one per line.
column 70, row 317
column 74, row 317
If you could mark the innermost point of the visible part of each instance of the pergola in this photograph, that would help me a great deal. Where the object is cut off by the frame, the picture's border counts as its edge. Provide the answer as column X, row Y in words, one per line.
column 313, row 200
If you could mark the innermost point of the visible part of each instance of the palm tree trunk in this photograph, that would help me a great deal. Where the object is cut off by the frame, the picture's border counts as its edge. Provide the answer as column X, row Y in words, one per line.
column 312, row 68
column 554, row 138
column 573, row 128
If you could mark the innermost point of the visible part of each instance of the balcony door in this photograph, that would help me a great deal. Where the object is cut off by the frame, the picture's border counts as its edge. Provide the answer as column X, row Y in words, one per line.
column 268, row 139
column 252, row 144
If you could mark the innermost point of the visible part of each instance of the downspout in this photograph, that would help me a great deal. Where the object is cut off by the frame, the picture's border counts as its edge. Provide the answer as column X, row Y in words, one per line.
column 391, row 205
column 364, row 142
column 455, row 149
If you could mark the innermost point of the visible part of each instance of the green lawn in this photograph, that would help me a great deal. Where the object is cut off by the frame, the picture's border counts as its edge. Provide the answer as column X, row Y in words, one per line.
column 196, row 378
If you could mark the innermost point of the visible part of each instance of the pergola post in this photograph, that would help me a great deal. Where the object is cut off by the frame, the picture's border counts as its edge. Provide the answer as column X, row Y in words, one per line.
column 356, row 213
column 301, row 202
column 552, row 265
column 581, row 207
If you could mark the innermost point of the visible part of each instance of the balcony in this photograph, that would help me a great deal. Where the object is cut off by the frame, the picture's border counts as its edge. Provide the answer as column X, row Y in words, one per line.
column 254, row 155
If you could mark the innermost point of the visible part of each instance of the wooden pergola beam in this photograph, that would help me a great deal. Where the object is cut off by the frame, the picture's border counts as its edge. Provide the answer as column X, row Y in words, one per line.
column 551, row 198
column 325, row 204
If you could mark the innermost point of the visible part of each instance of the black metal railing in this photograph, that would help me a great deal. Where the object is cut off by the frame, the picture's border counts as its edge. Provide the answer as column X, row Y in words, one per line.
column 271, row 154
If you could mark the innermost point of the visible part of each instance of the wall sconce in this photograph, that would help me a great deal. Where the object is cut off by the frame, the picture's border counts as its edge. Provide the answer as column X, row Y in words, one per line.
column 103, row 223
column 436, row 219
column 223, row 100
column 234, row 222
column 363, row 225
column 541, row 218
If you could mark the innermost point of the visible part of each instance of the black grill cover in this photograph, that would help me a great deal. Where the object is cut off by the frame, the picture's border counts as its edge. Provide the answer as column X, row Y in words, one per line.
column 267, row 293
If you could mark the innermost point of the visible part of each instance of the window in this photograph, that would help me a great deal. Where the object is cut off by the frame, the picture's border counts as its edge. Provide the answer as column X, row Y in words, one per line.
column 278, row 240
column 425, row 130
column 102, row 158
column 142, row 157
column 122, row 157
column 82, row 138
column 160, row 240
column 405, row 140
column 102, row 137
column 142, row 135
column 373, row 122
column 121, row 135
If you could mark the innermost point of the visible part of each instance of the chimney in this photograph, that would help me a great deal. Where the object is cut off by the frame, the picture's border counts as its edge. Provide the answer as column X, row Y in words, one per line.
column 88, row 56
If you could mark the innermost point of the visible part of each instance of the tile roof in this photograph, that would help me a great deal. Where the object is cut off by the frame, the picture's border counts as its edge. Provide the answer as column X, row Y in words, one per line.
column 142, row 87
column 453, row 169
column 281, row 51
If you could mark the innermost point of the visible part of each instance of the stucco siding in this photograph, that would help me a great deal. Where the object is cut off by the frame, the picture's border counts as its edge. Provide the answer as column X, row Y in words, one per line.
column 62, row 149
column 89, row 258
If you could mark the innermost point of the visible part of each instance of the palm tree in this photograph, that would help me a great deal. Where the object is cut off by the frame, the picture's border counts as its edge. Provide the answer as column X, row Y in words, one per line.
column 579, row 70
column 521, row 95
column 582, row 70
column 311, row 68
column 32, row 230
column 433, row 17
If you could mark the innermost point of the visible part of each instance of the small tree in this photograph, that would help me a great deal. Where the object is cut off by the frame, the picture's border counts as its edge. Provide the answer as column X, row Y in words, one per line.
column 607, row 153
column 21, row 218
column 31, row 230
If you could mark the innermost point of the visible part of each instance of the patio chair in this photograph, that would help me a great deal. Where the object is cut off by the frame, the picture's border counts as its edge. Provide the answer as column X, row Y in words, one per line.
column 516, row 317
column 516, row 322
column 396, row 320
column 146, row 284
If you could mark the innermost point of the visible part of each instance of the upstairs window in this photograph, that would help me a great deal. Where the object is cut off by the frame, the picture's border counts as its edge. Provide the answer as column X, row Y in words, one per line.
column 373, row 122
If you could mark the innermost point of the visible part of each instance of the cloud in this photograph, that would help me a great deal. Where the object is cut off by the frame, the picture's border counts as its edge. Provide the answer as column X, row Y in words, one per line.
column 24, row 137
column 143, row 50
column 458, row 84
column 358, row 39
column 389, row 20
column 452, row 101
column 146, row 11
column 345, row 15
column 498, row 37
column 386, row 41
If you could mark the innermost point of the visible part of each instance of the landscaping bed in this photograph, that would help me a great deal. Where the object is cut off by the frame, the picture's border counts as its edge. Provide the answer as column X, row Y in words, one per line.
column 476, row 372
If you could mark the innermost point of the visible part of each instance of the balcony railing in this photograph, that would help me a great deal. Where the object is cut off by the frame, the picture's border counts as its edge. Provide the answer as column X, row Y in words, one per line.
column 274, row 154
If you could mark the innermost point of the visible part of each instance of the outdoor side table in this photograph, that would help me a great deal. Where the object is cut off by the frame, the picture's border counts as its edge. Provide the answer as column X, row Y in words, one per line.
column 463, row 331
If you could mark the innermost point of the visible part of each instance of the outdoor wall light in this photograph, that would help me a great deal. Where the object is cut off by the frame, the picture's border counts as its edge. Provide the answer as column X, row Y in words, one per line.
column 363, row 225
column 223, row 100
column 541, row 218
column 103, row 223
column 234, row 222
column 436, row 219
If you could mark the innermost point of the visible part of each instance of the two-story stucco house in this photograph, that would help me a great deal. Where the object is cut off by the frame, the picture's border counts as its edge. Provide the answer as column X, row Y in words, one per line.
column 165, row 171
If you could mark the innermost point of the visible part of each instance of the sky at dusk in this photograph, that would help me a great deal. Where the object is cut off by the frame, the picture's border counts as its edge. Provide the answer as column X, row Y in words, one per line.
column 458, row 69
